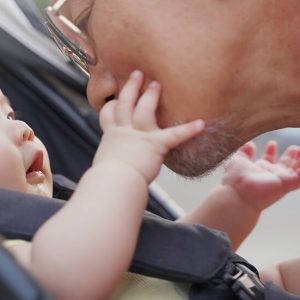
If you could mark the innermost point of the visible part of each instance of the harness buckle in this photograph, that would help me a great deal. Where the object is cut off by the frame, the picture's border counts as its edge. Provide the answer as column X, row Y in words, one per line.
column 245, row 283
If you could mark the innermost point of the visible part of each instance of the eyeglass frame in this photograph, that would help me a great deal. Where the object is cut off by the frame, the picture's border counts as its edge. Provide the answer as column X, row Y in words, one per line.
column 79, row 49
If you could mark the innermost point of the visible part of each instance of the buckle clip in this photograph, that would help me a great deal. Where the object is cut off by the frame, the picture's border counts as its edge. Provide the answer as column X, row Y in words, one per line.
column 245, row 283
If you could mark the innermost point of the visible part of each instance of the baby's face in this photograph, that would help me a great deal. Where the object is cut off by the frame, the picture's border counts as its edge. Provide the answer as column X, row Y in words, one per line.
column 24, row 162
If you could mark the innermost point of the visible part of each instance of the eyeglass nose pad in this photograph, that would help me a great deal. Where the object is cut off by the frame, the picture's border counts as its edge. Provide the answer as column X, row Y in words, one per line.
column 87, row 50
column 66, row 51
column 82, row 63
column 80, row 48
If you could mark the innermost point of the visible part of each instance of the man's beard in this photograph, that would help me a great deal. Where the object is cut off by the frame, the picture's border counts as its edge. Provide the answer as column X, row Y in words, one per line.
column 205, row 152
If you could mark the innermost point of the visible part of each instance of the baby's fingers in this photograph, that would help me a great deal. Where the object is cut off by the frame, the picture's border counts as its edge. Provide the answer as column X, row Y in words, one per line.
column 128, row 98
column 107, row 114
column 144, row 115
column 173, row 136
column 247, row 150
column 270, row 152
column 291, row 157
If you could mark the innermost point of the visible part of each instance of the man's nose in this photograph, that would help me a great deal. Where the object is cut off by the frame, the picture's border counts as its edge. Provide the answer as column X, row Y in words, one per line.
column 20, row 132
column 102, row 87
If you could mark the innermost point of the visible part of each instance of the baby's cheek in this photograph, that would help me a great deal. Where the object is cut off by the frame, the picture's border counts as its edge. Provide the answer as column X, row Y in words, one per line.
column 11, row 178
column 12, row 173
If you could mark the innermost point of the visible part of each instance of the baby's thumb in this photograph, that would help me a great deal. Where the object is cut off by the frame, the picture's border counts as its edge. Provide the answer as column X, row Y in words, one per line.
column 107, row 114
column 179, row 134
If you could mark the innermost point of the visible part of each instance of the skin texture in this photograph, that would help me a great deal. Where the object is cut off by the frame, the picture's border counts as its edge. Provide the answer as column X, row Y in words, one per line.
column 19, row 146
column 232, row 63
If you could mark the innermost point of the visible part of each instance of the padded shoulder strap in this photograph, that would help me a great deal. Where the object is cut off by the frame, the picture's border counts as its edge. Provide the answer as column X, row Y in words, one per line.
column 179, row 252
column 22, row 214
column 165, row 249
column 16, row 283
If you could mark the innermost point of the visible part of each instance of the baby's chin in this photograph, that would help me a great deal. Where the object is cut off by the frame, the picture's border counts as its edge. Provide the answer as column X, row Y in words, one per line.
column 40, row 189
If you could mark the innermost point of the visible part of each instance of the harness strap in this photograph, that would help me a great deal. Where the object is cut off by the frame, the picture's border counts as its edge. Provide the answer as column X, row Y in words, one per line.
column 22, row 214
column 203, row 252
column 16, row 283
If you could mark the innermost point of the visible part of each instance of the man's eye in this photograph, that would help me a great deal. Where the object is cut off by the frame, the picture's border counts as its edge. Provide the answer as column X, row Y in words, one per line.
column 82, row 25
column 11, row 116
column 82, row 20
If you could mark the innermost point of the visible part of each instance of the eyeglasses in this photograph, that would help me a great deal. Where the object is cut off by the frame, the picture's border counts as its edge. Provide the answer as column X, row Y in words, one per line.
column 72, row 42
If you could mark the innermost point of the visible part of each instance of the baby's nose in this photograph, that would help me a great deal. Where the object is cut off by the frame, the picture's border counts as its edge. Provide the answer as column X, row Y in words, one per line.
column 28, row 134
column 22, row 132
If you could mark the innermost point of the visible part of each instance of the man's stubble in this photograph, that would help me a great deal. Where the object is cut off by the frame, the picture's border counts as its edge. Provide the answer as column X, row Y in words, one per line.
column 205, row 152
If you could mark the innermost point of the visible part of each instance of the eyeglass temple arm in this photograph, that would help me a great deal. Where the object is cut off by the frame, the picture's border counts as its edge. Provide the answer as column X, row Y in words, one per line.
column 57, row 6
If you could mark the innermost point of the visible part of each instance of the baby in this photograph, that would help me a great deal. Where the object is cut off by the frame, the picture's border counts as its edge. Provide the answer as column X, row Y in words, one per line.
column 95, row 233
column 22, row 153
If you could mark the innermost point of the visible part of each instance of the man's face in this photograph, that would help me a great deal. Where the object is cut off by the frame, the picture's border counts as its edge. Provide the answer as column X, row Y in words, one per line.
column 215, row 60
column 24, row 164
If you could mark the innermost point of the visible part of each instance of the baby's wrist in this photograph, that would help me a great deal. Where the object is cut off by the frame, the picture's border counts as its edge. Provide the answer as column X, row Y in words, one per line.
column 113, row 165
column 236, row 196
column 231, row 191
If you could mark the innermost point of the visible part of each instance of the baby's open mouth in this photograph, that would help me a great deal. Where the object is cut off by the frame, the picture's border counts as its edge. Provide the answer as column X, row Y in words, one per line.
column 34, row 173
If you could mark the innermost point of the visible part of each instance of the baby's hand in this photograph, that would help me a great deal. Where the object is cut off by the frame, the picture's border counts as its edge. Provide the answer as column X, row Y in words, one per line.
column 266, row 180
column 131, row 134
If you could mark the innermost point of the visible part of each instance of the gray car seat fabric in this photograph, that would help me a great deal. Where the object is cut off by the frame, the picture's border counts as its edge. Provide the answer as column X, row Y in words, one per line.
column 16, row 283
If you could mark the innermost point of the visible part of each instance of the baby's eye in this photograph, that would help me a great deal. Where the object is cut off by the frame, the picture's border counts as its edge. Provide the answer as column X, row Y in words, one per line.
column 11, row 116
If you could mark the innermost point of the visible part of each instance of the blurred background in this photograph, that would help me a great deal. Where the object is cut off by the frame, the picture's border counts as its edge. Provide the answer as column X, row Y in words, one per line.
column 276, row 236
column 41, row 4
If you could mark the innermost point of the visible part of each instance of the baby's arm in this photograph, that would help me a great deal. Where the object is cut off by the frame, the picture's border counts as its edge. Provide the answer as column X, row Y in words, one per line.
column 285, row 274
column 247, row 189
column 223, row 209
column 83, row 251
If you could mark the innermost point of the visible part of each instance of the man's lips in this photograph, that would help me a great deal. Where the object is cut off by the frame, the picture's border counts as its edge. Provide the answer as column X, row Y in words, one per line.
column 34, row 173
